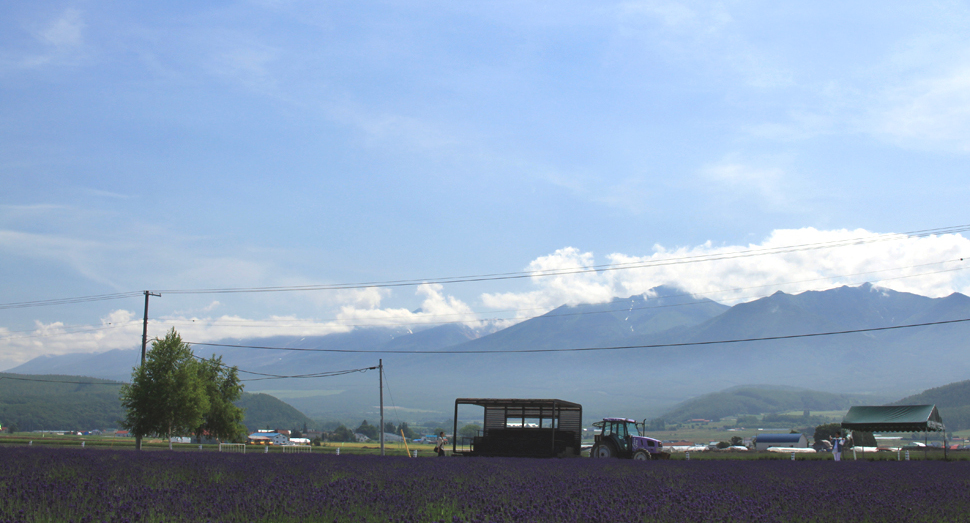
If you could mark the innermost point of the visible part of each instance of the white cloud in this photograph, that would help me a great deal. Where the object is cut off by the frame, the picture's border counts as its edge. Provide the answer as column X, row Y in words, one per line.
column 61, row 42
column 65, row 31
column 678, row 15
column 381, row 128
column 630, row 193
column 435, row 308
column 706, row 35
column 106, row 194
column 736, row 180
column 122, row 329
column 249, row 63
column 930, row 112
column 76, row 253
column 568, row 289
column 735, row 276
column 726, row 273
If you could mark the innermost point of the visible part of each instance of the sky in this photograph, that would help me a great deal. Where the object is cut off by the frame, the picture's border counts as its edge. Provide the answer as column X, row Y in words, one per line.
column 199, row 145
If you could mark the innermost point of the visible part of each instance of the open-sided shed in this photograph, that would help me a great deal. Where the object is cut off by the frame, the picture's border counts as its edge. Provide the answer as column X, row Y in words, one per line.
column 524, row 428
column 894, row 418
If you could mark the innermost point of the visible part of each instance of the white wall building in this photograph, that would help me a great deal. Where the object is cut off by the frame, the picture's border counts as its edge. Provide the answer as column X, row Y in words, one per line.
column 272, row 438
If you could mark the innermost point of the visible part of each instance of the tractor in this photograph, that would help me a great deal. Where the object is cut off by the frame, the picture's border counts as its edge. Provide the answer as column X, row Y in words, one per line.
column 620, row 438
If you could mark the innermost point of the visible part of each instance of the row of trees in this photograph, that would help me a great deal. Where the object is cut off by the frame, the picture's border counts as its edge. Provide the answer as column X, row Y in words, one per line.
column 176, row 394
column 826, row 431
column 344, row 433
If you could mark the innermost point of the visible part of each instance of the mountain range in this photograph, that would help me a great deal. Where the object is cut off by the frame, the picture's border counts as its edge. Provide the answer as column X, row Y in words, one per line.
column 661, row 348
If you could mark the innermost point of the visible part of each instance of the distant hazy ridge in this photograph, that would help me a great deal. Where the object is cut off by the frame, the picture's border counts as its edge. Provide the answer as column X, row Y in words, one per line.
column 636, row 382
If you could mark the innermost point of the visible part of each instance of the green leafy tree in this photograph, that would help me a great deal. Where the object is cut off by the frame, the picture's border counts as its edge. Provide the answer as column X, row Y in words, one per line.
column 367, row 429
column 469, row 431
column 736, row 441
column 223, row 419
column 389, row 427
column 166, row 395
column 408, row 432
column 826, row 431
column 342, row 433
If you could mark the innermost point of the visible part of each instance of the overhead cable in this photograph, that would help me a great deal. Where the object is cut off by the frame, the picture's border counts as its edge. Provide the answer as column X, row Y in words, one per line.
column 62, row 381
column 587, row 349
column 744, row 253
column 66, row 301
column 291, row 323
column 263, row 324
column 642, row 264
column 324, row 374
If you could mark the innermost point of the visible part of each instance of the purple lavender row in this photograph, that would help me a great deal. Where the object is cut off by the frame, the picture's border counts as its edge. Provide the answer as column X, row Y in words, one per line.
column 44, row 484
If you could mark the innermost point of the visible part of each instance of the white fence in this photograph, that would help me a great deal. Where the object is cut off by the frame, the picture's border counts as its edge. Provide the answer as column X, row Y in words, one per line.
column 232, row 447
column 296, row 449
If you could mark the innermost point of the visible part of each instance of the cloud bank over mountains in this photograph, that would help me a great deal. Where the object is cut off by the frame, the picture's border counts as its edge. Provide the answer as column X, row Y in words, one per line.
column 789, row 260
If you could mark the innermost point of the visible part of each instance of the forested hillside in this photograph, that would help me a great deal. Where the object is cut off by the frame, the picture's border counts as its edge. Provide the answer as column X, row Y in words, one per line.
column 761, row 399
column 265, row 411
column 40, row 404
column 952, row 400
column 57, row 402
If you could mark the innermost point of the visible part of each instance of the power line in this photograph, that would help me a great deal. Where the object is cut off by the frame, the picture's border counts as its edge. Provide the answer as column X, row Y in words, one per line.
column 593, row 268
column 324, row 374
column 312, row 323
column 67, row 301
column 519, row 351
column 270, row 324
column 67, row 331
column 586, row 349
column 514, row 275
column 62, row 381
column 329, row 374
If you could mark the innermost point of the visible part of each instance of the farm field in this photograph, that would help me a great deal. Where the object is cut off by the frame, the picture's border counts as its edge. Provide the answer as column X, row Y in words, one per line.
column 55, row 484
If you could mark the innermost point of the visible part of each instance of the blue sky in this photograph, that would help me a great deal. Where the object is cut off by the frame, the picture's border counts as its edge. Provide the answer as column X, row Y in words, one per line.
column 236, row 144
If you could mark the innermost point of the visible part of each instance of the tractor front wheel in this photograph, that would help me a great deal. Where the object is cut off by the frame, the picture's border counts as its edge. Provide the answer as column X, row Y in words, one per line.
column 602, row 450
column 642, row 455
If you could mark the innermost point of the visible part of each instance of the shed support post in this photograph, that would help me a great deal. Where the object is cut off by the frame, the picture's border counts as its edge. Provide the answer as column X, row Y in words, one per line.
column 380, row 382
column 454, row 431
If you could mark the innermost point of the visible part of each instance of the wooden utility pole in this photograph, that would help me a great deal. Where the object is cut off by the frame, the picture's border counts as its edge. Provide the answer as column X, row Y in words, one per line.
column 380, row 381
column 144, row 326
column 144, row 345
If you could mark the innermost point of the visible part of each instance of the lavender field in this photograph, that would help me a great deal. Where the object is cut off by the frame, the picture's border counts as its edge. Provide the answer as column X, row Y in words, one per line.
column 102, row 485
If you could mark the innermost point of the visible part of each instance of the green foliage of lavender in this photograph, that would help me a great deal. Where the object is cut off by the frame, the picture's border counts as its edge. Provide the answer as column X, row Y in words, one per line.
column 47, row 485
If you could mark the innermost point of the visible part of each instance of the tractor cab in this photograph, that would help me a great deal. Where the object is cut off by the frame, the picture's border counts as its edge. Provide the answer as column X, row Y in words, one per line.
column 621, row 438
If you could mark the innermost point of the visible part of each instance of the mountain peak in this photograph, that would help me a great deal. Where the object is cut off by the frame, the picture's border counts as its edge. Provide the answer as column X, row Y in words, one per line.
column 664, row 291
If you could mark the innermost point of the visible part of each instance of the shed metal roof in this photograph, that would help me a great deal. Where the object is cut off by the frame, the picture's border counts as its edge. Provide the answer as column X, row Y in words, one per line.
column 894, row 418
column 519, row 402
column 778, row 438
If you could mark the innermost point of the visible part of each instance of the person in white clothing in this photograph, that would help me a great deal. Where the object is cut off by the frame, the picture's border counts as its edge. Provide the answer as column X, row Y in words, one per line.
column 837, row 443
column 439, row 446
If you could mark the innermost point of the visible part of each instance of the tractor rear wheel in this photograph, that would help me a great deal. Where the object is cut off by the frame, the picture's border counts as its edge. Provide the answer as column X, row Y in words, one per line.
column 642, row 455
column 602, row 450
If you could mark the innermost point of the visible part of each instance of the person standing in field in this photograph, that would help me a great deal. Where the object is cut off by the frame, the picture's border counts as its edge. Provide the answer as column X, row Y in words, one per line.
column 837, row 443
column 439, row 446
